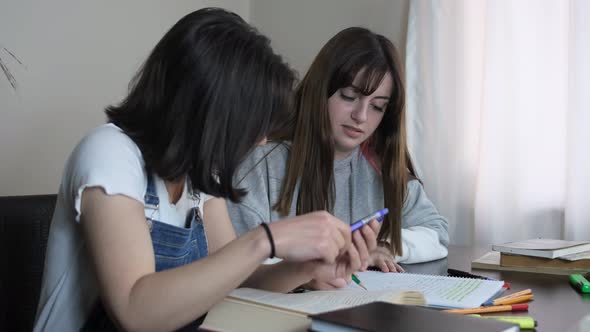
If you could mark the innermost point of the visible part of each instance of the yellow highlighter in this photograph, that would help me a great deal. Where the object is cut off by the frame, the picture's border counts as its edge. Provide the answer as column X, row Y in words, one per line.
column 525, row 322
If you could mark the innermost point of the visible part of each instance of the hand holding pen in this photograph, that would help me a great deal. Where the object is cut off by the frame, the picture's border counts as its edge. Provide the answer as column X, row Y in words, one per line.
column 366, row 235
column 316, row 236
column 365, row 238
column 333, row 274
column 381, row 257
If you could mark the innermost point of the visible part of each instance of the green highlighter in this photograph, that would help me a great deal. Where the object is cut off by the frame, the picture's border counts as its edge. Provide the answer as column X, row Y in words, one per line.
column 581, row 283
column 524, row 322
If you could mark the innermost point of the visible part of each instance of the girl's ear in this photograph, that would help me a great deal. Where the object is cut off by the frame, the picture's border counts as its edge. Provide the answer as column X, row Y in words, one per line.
column 262, row 141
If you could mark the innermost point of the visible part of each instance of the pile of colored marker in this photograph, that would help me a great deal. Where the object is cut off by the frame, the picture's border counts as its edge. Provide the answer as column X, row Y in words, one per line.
column 512, row 302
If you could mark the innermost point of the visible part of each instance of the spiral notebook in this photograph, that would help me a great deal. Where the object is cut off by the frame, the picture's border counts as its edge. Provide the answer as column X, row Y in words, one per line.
column 439, row 291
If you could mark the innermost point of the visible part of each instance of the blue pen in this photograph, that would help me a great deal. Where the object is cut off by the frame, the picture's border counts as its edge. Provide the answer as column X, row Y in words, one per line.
column 377, row 215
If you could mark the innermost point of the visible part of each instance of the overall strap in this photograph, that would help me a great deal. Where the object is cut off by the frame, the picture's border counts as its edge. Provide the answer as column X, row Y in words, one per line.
column 151, row 196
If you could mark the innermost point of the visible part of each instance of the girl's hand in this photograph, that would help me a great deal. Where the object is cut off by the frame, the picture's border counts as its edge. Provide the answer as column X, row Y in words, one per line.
column 314, row 236
column 327, row 285
column 329, row 273
column 365, row 241
column 382, row 258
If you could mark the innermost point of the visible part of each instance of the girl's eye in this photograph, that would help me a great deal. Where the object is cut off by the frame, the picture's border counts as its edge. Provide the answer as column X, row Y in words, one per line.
column 379, row 108
column 347, row 97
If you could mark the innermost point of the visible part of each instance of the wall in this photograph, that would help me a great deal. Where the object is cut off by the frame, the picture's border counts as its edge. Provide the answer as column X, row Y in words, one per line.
column 298, row 29
column 78, row 57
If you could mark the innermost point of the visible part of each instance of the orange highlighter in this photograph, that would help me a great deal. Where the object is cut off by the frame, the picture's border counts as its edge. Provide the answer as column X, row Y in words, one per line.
column 495, row 308
column 514, row 299
column 517, row 297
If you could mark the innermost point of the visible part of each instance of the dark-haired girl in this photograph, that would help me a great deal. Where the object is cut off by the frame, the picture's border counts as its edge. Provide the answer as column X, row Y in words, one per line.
column 140, row 238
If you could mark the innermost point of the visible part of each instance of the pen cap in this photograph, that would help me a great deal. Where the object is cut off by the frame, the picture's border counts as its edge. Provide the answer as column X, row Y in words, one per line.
column 383, row 212
column 580, row 282
column 520, row 307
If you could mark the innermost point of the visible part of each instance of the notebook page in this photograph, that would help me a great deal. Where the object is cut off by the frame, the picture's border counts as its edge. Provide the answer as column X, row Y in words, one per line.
column 439, row 291
column 313, row 302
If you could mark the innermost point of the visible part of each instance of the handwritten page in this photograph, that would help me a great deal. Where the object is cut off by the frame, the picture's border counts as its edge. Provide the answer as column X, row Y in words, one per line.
column 439, row 291
column 321, row 301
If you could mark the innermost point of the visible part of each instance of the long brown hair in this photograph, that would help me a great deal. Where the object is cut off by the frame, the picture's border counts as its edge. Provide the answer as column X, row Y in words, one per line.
column 351, row 52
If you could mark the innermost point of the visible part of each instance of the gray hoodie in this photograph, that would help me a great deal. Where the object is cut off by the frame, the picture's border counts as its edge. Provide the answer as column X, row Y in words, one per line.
column 359, row 192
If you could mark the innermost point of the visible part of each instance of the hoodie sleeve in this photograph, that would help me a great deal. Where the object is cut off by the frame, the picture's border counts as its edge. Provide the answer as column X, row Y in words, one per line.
column 425, row 234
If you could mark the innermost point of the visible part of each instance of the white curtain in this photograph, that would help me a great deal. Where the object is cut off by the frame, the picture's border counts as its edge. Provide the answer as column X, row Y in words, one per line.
column 499, row 115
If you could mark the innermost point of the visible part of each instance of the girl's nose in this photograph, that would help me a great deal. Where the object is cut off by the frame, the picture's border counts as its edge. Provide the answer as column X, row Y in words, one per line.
column 359, row 114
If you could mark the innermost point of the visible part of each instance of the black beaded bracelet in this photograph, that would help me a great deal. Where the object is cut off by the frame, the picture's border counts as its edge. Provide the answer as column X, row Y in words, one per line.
column 270, row 239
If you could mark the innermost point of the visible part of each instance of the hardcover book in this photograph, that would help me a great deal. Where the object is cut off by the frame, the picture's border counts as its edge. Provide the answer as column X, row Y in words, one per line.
column 540, row 262
column 491, row 261
column 547, row 248
column 380, row 316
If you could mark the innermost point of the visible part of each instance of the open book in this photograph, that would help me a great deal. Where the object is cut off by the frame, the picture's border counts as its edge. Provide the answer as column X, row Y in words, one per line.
column 256, row 310
column 246, row 309
column 321, row 301
column 439, row 291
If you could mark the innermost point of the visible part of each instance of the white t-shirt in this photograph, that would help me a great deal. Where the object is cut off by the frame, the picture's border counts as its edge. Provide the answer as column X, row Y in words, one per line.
column 105, row 158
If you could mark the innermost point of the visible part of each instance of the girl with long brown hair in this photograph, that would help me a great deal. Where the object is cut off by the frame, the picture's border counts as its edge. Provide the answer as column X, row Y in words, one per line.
column 344, row 150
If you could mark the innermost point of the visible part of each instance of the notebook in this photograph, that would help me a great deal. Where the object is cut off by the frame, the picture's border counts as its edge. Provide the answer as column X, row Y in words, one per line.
column 547, row 248
column 379, row 316
column 439, row 291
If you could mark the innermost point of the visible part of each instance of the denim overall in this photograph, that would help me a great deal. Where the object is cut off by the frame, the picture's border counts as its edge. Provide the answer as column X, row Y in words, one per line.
column 173, row 247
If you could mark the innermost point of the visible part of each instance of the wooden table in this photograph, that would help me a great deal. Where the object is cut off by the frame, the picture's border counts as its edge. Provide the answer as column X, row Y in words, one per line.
column 557, row 305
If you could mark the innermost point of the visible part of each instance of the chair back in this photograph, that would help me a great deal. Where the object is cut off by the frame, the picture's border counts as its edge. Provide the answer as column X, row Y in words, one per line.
column 24, row 228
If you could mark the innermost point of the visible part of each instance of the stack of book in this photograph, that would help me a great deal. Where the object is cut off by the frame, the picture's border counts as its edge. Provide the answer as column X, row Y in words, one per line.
column 538, row 256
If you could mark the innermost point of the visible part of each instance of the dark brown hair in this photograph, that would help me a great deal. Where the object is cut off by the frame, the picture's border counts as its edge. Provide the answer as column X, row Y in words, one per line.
column 349, row 53
column 206, row 94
